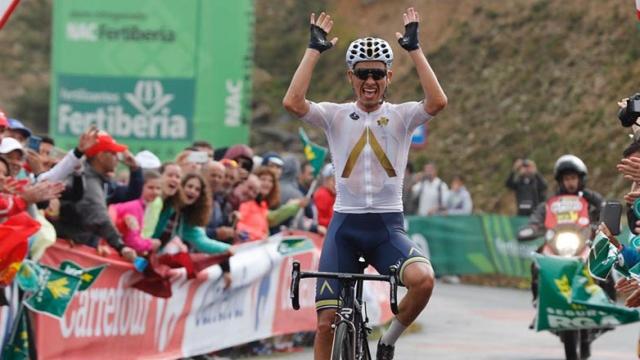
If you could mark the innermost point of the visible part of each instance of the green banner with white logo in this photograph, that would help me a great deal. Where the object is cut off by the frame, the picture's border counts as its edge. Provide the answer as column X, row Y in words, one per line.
column 156, row 74
column 55, row 292
column 477, row 244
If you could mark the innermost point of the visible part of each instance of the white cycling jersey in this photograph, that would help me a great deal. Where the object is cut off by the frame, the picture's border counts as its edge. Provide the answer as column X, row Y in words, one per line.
column 369, row 152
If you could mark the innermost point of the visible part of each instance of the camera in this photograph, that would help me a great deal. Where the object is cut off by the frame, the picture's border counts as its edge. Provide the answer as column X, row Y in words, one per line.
column 629, row 114
column 525, row 162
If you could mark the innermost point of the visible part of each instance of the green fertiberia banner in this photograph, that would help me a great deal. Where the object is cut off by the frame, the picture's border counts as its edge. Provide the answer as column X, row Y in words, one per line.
column 55, row 293
column 156, row 74
column 87, row 276
column 569, row 298
column 314, row 153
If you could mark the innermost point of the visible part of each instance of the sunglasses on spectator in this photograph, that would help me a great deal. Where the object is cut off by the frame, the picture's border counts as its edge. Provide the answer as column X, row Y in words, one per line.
column 376, row 74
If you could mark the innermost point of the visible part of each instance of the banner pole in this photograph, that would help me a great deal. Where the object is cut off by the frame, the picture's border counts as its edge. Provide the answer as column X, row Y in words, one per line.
column 308, row 195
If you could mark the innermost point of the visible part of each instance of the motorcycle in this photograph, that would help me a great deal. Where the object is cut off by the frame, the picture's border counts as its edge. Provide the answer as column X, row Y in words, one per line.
column 568, row 233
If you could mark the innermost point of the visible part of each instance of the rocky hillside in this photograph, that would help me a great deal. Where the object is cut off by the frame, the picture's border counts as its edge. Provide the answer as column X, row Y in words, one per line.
column 535, row 78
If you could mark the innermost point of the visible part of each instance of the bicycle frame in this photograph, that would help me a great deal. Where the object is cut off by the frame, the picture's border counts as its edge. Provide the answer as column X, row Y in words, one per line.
column 353, row 312
column 351, row 309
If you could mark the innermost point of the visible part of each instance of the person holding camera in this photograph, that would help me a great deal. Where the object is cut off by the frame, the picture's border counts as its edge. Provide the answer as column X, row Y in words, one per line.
column 529, row 186
column 629, row 111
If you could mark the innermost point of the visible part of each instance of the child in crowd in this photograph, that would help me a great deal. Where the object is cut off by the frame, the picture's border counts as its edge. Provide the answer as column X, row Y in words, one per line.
column 128, row 216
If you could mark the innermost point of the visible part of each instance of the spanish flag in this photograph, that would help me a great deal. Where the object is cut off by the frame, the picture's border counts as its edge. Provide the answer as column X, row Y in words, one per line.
column 14, row 244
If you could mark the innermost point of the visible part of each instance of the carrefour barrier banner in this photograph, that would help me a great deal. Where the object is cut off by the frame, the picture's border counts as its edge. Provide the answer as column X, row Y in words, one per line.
column 570, row 299
column 113, row 318
column 156, row 74
column 477, row 244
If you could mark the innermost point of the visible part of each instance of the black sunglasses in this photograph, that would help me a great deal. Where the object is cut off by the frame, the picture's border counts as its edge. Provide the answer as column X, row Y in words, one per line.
column 376, row 74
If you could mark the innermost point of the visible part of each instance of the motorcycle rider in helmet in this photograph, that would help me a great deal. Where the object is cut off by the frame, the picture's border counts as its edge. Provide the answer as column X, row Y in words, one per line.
column 570, row 173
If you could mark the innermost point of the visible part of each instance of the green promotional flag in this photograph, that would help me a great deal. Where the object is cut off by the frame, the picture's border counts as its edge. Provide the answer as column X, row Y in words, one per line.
column 55, row 293
column 314, row 153
column 602, row 257
column 17, row 348
column 87, row 276
column 294, row 245
column 570, row 299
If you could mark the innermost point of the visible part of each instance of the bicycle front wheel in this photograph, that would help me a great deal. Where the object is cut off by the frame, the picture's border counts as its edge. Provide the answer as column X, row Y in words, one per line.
column 342, row 343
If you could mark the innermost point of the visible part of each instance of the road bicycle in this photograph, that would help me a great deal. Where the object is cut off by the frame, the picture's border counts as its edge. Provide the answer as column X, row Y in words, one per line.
column 350, row 329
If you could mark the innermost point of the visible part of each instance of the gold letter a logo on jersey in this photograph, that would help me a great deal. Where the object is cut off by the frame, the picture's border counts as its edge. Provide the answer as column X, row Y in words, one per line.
column 368, row 136
column 326, row 286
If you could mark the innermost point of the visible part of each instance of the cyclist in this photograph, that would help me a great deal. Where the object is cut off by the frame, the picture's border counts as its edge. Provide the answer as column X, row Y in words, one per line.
column 369, row 141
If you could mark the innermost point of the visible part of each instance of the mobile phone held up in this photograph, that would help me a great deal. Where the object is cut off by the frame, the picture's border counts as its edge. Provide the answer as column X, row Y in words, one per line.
column 198, row 157
column 611, row 214
column 34, row 142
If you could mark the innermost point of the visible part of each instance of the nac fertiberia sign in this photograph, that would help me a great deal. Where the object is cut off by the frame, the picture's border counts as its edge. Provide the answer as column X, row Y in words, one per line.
column 156, row 74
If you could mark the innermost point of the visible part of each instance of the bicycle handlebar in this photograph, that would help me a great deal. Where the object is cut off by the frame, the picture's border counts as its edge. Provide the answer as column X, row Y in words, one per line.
column 296, row 275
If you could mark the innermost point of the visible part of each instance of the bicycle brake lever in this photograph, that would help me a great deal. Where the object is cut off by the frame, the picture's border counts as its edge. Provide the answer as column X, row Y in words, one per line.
column 393, row 285
column 295, row 282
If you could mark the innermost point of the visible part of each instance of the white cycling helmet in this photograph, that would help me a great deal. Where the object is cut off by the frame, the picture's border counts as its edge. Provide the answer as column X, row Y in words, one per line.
column 369, row 49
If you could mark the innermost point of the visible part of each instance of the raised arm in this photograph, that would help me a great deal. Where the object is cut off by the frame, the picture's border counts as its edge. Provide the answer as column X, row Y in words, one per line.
column 295, row 99
column 434, row 96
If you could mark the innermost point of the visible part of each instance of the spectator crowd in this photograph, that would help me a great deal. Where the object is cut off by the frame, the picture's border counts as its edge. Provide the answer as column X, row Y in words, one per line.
column 207, row 200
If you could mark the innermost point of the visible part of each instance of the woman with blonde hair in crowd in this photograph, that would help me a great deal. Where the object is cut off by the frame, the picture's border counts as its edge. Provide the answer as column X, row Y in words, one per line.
column 185, row 214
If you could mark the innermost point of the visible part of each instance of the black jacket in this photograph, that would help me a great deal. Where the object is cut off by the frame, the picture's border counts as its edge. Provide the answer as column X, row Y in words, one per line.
column 530, row 191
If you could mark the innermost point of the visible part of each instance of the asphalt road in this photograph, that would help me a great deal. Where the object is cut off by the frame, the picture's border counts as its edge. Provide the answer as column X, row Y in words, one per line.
column 473, row 322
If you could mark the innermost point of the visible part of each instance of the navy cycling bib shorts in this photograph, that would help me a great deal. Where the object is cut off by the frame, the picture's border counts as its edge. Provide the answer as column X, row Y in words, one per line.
column 379, row 237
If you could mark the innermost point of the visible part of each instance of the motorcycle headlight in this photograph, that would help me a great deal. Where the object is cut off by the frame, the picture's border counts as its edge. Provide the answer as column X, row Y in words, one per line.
column 567, row 243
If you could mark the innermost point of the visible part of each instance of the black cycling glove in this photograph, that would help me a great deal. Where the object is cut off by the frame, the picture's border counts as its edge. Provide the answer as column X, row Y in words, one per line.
column 409, row 41
column 318, row 39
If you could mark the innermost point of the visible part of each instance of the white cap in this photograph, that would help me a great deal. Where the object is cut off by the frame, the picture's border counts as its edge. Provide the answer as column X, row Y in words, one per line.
column 257, row 160
column 10, row 144
column 276, row 161
column 327, row 170
column 148, row 160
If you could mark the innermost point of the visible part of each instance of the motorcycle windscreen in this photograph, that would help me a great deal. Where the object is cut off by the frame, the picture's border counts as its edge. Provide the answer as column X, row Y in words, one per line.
column 566, row 209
